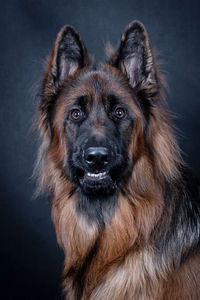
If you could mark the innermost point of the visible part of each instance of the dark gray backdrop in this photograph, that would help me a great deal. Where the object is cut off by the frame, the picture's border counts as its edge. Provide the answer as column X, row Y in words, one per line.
column 31, row 261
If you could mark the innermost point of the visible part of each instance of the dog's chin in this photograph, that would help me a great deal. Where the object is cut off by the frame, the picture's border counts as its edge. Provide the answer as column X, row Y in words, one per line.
column 99, row 184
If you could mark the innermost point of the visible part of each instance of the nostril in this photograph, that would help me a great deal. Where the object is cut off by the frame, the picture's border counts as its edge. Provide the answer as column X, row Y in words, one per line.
column 105, row 159
column 90, row 158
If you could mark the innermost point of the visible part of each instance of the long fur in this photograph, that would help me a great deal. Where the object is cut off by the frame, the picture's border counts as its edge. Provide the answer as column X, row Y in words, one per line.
column 146, row 244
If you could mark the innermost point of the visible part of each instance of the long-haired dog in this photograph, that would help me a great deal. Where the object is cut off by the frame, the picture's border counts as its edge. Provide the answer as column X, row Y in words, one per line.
column 125, row 208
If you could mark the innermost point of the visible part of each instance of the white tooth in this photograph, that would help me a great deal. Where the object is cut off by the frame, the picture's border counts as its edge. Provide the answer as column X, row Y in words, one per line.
column 98, row 175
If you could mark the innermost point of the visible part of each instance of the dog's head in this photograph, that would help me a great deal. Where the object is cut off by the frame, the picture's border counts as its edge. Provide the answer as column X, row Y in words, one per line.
column 94, row 118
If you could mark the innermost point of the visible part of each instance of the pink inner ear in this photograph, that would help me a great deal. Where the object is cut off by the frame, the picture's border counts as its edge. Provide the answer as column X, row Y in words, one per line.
column 133, row 70
column 64, row 69
column 67, row 67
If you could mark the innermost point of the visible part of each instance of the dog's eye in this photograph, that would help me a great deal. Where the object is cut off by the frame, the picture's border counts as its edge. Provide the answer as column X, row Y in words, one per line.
column 76, row 114
column 119, row 113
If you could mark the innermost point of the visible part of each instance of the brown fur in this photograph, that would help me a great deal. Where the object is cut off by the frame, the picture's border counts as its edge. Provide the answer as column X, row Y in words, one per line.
column 117, row 260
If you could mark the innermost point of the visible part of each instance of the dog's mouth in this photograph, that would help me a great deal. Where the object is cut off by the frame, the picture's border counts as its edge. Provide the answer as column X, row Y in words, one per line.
column 96, row 180
column 99, row 182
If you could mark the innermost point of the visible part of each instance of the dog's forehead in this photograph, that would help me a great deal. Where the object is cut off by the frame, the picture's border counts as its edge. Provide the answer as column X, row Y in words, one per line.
column 97, row 84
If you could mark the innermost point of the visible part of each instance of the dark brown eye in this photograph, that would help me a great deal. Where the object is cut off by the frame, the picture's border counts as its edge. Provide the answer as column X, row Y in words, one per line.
column 119, row 113
column 76, row 114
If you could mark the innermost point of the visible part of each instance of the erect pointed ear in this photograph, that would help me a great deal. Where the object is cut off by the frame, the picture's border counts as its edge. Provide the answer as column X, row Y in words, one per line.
column 69, row 54
column 135, row 59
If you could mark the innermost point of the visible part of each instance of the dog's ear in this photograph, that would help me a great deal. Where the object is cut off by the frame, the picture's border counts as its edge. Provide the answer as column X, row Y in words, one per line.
column 135, row 59
column 69, row 54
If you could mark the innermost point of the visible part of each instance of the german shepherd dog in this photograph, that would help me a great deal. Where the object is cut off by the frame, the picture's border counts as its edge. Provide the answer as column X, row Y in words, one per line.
column 126, row 209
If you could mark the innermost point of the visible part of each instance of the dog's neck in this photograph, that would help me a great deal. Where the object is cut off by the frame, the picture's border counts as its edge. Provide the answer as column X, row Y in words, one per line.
column 98, row 240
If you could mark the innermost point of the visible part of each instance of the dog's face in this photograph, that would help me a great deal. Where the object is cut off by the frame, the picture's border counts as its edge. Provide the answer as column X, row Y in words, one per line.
column 94, row 115
column 99, row 120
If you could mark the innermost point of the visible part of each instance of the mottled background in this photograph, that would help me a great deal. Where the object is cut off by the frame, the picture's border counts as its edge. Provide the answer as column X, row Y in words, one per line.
column 31, row 261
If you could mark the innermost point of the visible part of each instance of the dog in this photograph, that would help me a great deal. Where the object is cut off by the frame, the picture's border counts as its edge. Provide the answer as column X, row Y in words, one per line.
column 125, row 207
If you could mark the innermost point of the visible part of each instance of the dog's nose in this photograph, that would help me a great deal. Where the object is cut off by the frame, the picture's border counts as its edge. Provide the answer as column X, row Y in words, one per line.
column 97, row 157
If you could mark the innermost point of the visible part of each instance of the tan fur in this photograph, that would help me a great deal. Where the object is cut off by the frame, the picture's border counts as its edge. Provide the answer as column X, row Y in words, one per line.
column 115, row 260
